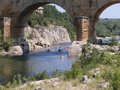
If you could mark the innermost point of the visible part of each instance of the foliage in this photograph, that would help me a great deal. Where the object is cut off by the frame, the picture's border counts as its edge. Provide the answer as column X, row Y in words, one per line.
column 108, row 28
column 86, row 49
column 5, row 44
column 52, row 16
column 86, row 63
column 112, row 74
column 40, row 76
column 113, row 42
column 19, row 80
column 1, row 40
column 75, row 72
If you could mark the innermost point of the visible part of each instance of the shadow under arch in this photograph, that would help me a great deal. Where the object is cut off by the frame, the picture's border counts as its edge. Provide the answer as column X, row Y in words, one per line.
column 101, row 9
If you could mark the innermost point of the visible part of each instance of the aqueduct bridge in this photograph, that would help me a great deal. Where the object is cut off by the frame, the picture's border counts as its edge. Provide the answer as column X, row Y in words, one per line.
column 85, row 13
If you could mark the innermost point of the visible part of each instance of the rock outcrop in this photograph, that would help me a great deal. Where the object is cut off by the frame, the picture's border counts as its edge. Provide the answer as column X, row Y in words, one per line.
column 43, row 37
column 76, row 48
column 15, row 50
column 46, row 35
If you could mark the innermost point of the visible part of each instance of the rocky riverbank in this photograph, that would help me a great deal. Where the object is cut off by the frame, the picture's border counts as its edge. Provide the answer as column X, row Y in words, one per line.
column 84, row 83
column 77, row 46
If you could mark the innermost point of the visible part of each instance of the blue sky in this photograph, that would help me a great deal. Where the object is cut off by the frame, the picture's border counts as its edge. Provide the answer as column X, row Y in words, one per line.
column 111, row 12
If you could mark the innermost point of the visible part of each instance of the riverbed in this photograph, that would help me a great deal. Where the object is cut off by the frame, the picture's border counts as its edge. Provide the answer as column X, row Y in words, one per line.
column 30, row 64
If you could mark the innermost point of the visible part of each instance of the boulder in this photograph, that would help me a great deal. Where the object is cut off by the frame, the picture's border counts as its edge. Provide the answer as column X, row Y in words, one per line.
column 55, row 84
column 76, row 48
column 15, row 50
column 38, row 88
column 85, row 79
column 115, row 48
column 103, row 85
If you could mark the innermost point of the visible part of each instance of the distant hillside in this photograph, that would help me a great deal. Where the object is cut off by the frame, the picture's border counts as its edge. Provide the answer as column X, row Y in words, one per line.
column 109, row 19
column 51, row 16
column 106, row 28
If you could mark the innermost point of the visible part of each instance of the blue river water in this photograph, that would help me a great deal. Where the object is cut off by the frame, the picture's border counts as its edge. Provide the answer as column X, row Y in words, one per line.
column 30, row 64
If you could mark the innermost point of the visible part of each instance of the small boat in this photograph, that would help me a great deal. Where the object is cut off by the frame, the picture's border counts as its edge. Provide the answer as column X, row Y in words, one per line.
column 52, row 50
column 66, row 48
column 62, row 57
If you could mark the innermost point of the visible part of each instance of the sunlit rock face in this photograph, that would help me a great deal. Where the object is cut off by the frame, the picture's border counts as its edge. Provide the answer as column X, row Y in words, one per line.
column 46, row 35
column 15, row 50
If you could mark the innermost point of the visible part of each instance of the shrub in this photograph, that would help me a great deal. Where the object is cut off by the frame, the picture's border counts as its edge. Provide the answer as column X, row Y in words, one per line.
column 113, row 76
column 40, row 76
column 75, row 72
column 113, row 42
column 5, row 44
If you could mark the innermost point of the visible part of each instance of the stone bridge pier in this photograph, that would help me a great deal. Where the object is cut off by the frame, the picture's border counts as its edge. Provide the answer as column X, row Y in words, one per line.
column 85, row 28
column 17, row 32
column 10, row 28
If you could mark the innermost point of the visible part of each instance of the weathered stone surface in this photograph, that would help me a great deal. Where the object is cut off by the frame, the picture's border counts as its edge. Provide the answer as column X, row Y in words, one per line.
column 46, row 36
column 55, row 84
column 38, row 88
column 15, row 50
column 85, row 79
column 103, row 85
column 76, row 48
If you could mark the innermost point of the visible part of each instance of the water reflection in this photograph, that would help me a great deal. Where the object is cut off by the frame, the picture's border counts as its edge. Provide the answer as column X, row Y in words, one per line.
column 11, row 66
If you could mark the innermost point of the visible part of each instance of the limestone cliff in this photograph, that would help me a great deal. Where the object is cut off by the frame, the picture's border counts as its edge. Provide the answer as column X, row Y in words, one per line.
column 43, row 37
column 46, row 35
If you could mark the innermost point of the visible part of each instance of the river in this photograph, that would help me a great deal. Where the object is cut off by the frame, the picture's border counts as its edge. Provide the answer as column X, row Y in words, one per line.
column 30, row 64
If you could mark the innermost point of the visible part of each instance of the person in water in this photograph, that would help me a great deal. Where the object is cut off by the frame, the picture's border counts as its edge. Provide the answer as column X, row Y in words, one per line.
column 48, row 50
column 59, row 50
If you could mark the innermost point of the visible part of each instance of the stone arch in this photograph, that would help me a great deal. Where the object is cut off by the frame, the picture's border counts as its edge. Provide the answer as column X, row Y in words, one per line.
column 95, row 18
column 21, row 18
column 29, row 8
column 102, row 8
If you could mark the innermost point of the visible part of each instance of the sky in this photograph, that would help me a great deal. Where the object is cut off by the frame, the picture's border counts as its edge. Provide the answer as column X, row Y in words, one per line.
column 111, row 12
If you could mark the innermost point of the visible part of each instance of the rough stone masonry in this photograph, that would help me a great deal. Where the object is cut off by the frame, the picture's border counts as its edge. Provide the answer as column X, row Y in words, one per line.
column 85, row 14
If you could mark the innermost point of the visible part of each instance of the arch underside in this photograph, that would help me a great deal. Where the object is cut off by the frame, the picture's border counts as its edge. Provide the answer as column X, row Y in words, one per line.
column 29, row 9
column 24, row 15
